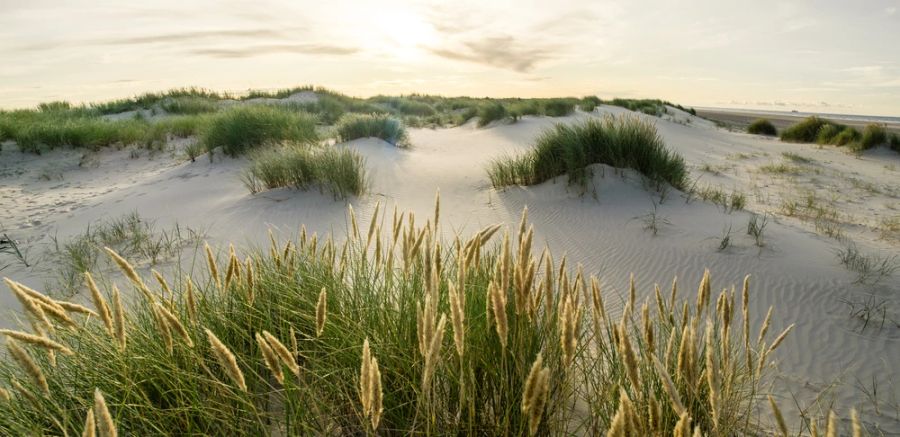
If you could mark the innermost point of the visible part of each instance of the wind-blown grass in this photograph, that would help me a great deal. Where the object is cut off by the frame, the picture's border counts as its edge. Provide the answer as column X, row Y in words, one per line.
column 805, row 131
column 340, row 171
column 421, row 337
column 243, row 128
column 762, row 127
column 626, row 142
column 353, row 126
column 490, row 112
column 873, row 135
column 189, row 105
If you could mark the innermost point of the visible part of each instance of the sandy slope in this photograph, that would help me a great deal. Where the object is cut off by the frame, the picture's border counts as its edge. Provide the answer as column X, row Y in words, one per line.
column 827, row 357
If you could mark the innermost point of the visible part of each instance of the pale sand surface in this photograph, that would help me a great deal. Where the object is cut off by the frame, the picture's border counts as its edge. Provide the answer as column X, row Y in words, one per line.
column 828, row 357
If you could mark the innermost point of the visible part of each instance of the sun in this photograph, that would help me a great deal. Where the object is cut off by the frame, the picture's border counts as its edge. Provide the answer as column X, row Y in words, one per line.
column 405, row 32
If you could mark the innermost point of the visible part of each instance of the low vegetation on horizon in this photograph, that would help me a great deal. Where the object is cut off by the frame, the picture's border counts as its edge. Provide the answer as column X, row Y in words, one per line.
column 392, row 331
column 151, row 119
column 822, row 131
column 623, row 142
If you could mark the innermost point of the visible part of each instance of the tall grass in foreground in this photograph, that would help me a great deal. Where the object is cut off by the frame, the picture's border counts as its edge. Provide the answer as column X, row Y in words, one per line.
column 626, row 142
column 393, row 331
column 242, row 128
column 340, row 171
column 353, row 126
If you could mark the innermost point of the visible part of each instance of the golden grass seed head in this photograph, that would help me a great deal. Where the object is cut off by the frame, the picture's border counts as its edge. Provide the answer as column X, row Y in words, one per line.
column 629, row 358
column 47, row 305
column 855, row 423
column 270, row 359
column 130, row 273
column 683, row 427
column 90, row 425
column 37, row 340
column 176, row 325
column 365, row 380
column 119, row 317
column 779, row 418
column 99, row 303
column 831, row 430
column 227, row 360
column 105, row 425
column 458, row 318
column 498, row 309
column 32, row 307
column 162, row 282
column 5, row 395
column 712, row 373
column 162, row 326
column 288, row 358
column 27, row 363
column 321, row 312
column 669, row 386
column 211, row 264
column 765, row 326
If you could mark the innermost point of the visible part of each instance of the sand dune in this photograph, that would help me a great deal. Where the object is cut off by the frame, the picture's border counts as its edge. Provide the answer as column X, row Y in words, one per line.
column 829, row 355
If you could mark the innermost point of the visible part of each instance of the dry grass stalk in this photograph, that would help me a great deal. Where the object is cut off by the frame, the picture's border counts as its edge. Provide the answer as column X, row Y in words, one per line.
column 269, row 357
column 211, row 264
column 24, row 392
column 191, row 302
column 226, row 360
column 497, row 300
column 683, row 427
column 377, row 395
column 90, row 425
column 37, row 340
column 458, row 318
column 779, row 418
column 855, row 423
column 176, row 325
column 131, row 274
column 629, row 358
column 48, row 305
column 162, row 326
column 105, row 425
column 712, row 375
column 437, row 209
column 649, row 340
column 321, row 312
column 119, row 317
column 287, row 358
column 166, row 291
column 568, row 317
column 32, row 307
column 370, row 391
column 703, row 293
column 76, row 308
column 831, row 430
column 669, row 387
column 535, row 393
column 99, row 303
column 26, row 362
column 765, row 326
column 230, row 268
column 434, row 353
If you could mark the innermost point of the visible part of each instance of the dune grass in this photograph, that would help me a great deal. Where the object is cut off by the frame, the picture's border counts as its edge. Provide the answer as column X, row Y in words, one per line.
column 390, row 129
column 339, row 171
column 806, row 131
column 393, row 332
column 762, row 127
column 625, row 142
column 873, row 135
column 490, row 112
column 189, row 105
column 244, row 128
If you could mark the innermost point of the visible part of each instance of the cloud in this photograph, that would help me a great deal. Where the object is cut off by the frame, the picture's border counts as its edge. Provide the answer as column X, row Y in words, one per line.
column 890, row 10
column 500, row 51
column 268, row 49
column 167, row 38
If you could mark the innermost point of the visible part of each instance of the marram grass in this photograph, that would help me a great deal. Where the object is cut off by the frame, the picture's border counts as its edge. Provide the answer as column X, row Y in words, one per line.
column 386, row 357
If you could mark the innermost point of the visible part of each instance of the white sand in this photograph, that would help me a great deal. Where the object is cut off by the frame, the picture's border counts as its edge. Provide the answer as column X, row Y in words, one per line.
column 827, row 357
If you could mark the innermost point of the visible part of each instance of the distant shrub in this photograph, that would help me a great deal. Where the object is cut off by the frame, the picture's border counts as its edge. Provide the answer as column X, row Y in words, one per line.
column 895, row 142
column 340, row 171
column 524, row 107
column 467, row 114
column 558, row 107
column 805, row 131
column 589, row 103
column 762, row 127
column 847, row 136
column 873, row 135
column 353, row 126
column 625, row 142
column 489, row 112
column 245, row 127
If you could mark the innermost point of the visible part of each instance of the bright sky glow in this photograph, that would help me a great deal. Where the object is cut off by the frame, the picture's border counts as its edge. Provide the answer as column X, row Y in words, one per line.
column 826, row 56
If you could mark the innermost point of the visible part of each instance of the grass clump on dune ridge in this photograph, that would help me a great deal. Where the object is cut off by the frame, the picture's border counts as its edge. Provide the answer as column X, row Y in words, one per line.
column 490, row 112
column 353, row 126
column 340, row 171
column 762, row 127
column 416, row 337
column 242, row 128
column 626, row 142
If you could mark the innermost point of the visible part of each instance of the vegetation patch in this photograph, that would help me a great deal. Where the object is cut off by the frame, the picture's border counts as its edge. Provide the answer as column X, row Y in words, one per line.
column 402, row 334
column 490, row 112
column 337, row 170
column 390, row 129
column 762, row 127
column 625, row 142
column 243, row 128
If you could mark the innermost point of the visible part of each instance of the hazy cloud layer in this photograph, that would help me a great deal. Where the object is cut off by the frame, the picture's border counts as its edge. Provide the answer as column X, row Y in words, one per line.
column 501, row 51
column 260, row 50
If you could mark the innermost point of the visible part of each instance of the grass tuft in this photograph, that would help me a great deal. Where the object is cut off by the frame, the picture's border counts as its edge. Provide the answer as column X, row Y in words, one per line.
column 340, row 171
column 626, row 142
column 762, row 127
column 243, row 128
column 390, row 129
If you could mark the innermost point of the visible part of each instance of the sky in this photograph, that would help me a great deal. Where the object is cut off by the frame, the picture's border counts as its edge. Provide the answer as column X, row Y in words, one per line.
column 832, row 56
